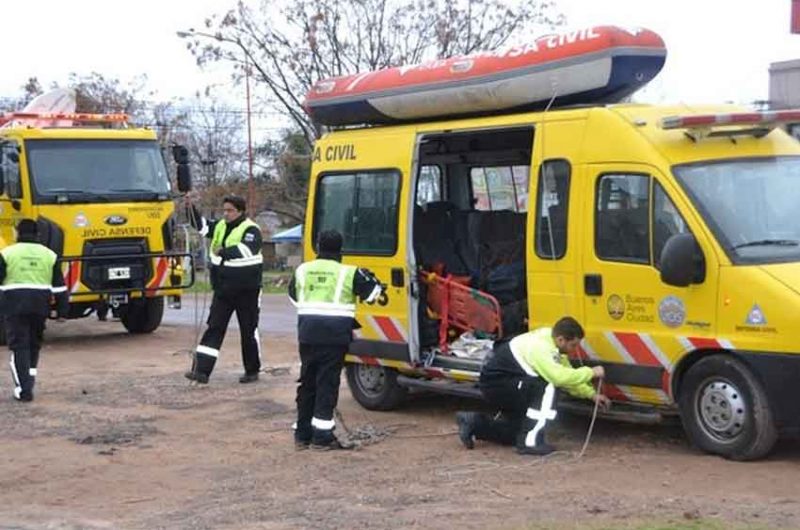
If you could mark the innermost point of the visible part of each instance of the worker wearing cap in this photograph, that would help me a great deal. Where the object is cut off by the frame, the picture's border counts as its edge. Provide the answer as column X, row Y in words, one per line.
column 236, row 278
column 520, row 377
column 324, row 291
column 29, row 275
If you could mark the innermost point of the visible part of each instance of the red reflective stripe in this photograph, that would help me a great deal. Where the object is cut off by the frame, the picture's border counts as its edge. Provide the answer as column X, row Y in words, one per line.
column 638, row 349
column 704, row 343
column 612, row 392
column 161, row 271
column 665, row 383
column 388, row 329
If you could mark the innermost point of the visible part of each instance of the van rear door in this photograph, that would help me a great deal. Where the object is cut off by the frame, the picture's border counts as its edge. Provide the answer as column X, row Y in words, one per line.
column 360, row 190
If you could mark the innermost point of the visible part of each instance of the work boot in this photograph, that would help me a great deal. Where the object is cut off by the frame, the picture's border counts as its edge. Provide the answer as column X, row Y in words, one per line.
column 332, row 445
column 466, row 428
column 248, row 378
column 538, row 450
column 196, row 377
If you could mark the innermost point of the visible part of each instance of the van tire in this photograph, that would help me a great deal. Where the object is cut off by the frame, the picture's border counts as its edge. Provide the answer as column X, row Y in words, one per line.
column 143, row 315
column 375, row 387
column 725, row 409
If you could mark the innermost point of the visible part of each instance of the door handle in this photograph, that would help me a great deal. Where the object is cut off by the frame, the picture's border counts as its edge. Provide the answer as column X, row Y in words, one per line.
column 593, row 284
column 398, row 278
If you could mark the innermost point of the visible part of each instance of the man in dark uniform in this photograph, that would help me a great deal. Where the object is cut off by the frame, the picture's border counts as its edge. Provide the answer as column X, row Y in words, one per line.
column 324, row 292
column 29, row 274
column 520, row 377
column 236, row 278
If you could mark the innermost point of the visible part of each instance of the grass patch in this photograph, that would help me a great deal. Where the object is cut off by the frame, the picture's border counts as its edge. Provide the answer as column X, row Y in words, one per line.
column 274, row 282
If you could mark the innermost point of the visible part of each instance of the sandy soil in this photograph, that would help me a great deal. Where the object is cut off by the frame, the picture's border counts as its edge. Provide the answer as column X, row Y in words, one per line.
column 118, row 439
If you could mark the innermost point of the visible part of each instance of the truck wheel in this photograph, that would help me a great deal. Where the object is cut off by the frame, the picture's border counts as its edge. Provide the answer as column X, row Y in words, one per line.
column 143, row 315
column 374, row 387
column 725, row 410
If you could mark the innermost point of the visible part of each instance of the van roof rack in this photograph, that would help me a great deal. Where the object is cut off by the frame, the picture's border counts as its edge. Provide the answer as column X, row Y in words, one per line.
column 758, row 124
column 55, row 117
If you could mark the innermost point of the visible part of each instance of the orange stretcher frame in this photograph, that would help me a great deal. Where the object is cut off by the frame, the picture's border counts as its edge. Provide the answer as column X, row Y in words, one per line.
column 461, row 306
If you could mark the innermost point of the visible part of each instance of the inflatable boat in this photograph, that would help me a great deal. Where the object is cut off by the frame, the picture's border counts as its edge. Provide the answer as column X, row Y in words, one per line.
column 595, row 65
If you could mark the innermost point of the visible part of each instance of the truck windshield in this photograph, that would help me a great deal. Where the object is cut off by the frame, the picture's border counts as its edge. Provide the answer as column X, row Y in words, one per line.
column 96, row 170
column 751, row 205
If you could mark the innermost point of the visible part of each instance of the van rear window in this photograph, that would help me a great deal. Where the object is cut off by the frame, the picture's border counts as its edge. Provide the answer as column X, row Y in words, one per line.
column 363, row 207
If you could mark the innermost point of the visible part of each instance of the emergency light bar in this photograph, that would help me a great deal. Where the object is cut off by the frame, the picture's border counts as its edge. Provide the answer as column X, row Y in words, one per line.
column 75, row 117
column 698, row 121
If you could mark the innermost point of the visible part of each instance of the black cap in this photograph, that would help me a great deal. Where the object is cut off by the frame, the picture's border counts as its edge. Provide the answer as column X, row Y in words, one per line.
column 330, row 242
column 27, row 227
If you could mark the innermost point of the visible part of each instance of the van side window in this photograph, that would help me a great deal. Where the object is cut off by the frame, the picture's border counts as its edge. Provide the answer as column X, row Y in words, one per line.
column 552, row 199
column 429, row 185
column 622, row 224
column 500, row 188
column 363, row 207
column 667, row 221
column 9, row 162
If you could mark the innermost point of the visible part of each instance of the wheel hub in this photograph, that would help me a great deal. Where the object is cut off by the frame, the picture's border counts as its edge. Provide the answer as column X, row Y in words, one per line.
column 722, row 409
column 370, row 378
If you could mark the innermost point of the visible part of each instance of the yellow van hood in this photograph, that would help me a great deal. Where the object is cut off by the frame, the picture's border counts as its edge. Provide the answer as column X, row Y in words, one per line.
column 786, row 273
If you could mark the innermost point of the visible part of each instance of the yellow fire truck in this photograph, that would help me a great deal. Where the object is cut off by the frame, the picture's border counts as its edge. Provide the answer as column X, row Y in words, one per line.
column 101, row 195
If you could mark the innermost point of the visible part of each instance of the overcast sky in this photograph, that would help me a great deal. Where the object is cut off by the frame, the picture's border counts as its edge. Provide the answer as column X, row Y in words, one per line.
column 718, row 50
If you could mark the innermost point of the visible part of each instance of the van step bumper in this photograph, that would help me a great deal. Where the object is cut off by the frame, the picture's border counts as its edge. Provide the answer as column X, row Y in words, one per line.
column 640, row 415
column 441, row 386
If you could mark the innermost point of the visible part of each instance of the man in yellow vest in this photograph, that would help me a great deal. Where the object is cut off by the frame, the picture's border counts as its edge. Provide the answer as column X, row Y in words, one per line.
column 520, row 377
column 236, row 278
column 324, row 292
column 29, row 274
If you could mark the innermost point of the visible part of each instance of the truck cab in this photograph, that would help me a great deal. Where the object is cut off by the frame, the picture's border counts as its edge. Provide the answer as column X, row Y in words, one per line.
column 101, row 195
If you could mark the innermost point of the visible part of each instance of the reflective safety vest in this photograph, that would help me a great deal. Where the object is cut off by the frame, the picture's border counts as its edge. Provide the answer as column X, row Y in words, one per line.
column 28, row 266
column 324, row 287
column 234, row 239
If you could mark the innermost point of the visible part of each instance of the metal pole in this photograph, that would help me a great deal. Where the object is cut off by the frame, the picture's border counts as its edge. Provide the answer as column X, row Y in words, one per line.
column 250, row 194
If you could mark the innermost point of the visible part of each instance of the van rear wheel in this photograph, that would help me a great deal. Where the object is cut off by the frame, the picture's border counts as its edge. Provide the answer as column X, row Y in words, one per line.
column 143, row 315
column 374, row 387
column 725, row 410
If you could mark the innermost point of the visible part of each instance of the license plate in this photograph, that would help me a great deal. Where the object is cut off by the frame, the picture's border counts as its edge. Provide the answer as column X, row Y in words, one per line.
column 119, row 273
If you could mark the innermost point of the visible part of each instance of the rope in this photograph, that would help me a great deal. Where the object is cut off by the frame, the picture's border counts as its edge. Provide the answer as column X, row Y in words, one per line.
column 591, row 424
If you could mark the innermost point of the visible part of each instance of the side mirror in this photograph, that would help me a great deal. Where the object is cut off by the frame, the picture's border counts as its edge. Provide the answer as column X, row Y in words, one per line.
column 682, row 262
column 184, row 178
column 180, row 154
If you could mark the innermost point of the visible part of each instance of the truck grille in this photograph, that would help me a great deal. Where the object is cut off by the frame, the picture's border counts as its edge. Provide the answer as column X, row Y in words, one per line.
column 103, row 273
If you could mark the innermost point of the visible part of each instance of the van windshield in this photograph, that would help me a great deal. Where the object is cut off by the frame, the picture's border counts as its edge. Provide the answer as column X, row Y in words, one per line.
column 751, row 205
column 96, row 170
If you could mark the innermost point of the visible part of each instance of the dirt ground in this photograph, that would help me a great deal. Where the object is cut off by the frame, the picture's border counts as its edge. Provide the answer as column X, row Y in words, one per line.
column 118, row 439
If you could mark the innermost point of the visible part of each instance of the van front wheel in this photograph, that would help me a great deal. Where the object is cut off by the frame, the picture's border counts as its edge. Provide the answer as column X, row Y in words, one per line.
column 725, row 410
column 374, row 387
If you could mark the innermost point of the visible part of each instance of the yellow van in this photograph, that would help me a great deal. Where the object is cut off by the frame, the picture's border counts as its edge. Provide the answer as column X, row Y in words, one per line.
column 670, row 233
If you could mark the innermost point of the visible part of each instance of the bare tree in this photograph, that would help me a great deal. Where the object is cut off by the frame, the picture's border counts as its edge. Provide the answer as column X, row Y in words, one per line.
column 291, row 44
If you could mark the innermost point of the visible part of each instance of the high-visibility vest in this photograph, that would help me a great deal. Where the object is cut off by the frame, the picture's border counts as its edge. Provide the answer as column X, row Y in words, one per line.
column 234, row 239
column 325, row 287
column 28, row 266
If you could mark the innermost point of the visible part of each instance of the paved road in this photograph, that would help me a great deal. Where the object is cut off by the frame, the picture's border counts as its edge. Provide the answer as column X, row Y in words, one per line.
column 277, row 313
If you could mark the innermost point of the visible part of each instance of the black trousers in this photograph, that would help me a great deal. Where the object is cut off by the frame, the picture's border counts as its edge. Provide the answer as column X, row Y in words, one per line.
column 526, row 407
column 24, row 333
column 247, row 305
column 318, row 391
